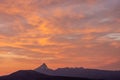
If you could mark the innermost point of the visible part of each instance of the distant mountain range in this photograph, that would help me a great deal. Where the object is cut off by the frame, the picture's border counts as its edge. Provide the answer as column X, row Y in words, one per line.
column 80, row 72
column 44, row 73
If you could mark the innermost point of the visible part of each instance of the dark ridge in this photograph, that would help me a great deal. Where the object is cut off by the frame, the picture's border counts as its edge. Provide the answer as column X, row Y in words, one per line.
column 81, row 72
column 33, row 75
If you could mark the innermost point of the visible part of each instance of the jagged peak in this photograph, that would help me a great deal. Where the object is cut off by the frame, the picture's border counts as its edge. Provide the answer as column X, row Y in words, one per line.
column 43, row 67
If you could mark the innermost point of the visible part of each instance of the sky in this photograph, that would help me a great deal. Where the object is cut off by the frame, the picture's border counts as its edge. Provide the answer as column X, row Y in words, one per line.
column 60, row 33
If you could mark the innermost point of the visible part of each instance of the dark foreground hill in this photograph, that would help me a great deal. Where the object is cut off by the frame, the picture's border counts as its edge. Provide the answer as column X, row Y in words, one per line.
column 33, row 75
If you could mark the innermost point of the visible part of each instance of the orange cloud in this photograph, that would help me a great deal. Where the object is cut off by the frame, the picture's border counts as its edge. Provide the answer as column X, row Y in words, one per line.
column 76, row 33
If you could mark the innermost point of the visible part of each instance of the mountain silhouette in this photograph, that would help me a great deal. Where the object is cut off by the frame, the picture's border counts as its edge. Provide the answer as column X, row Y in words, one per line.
column 42, row 68
column 80, row 72
column 45, row 73
column 33, row 75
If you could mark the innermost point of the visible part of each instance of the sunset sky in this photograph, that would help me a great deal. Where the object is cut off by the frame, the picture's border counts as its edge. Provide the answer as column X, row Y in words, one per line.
column 61, row 33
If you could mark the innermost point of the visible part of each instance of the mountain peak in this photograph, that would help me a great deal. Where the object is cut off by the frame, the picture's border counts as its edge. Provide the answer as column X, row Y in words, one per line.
column 42, row 68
